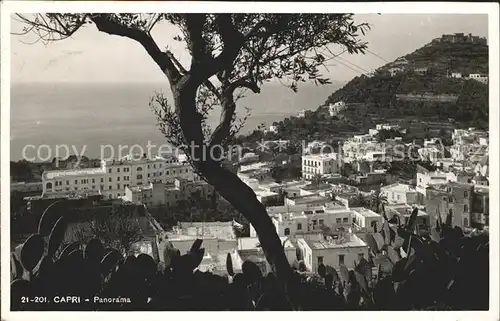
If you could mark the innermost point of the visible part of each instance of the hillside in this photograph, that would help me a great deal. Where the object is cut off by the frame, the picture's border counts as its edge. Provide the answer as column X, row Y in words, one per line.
column 422, row 84
column 428, row 91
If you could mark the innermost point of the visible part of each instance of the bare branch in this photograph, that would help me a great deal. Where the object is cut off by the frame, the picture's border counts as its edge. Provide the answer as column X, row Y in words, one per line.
column 105, row 24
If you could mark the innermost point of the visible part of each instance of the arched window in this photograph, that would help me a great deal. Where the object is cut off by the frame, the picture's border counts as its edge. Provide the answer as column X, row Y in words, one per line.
column 139, row 169
column 287, row 231
column 49, row 185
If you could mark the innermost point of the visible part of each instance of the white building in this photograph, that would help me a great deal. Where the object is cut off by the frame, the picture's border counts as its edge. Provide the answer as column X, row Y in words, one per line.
column 181, row 190
column 395, row 71
column 302, row 113
column 346, row 248
column 114, row 176
column 431, row 153
column 438, row 177
column 400, row 194
column 320, row 164
column 142, row 194
column 456, row 75
column 335, row 109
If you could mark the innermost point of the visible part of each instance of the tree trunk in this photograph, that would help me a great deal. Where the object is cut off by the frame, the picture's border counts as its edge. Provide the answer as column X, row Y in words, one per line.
column 243, row 198
column 227, row 184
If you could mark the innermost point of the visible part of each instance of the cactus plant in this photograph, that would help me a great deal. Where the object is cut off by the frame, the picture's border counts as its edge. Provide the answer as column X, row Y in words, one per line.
column 56, row 236
column 32, row 252
column 16, row 268
column 229, row 265
column 68, row 249
column 49, row 218
column 322, row 270
column 94, row 250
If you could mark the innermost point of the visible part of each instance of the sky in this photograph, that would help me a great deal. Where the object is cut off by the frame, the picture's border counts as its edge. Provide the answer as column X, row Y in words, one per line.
column 91, row 56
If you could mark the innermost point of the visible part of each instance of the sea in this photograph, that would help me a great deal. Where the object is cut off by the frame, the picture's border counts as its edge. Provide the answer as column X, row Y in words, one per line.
column 60, row 119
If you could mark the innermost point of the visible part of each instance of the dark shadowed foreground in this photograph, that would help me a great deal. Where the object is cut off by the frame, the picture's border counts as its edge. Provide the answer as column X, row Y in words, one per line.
column 447, row 271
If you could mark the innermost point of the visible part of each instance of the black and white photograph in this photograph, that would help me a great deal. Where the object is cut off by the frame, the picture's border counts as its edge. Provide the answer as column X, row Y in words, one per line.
column 303, row 157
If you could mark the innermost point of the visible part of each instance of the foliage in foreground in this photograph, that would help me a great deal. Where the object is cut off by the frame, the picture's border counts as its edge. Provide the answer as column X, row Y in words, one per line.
column 439, row 272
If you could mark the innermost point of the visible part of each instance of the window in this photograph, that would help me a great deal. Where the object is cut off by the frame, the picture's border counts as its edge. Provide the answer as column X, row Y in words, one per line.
column 466, row 222
column 159, row 165
column 321, row 222
column 102, row 180
column 118, row 179
column 110, row 179
column 314, row 223
column 117, row 186
column 338, row 220
column 93, row 180
column 118, row 194
column 154, row 165
column 149, row 175
column 173, row 172
column 139, row 169
column 118, row 170
column 109, row 187
column 466, row 194
column 167, row 172
column 76, row 181
column 186, row 170
column 76, row 188
column 345, row 220
column 67, row 182
column 299, row 226
column 397, row 197
column 466, row 208
column 102, row 187
column 287, row 231
column 49, row 186
column 109, row 170
column 93, row 186
column 139, row 176
column 320, row 260
column 341, row 258
column 361, row 256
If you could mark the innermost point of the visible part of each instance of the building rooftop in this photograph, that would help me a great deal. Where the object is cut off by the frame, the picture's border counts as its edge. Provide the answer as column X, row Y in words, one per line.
column 405, row 210
column 72, row 173
column 365, row 212
column 321, row 244
column 222, row 230
column 320, row 156
column 398, row 187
